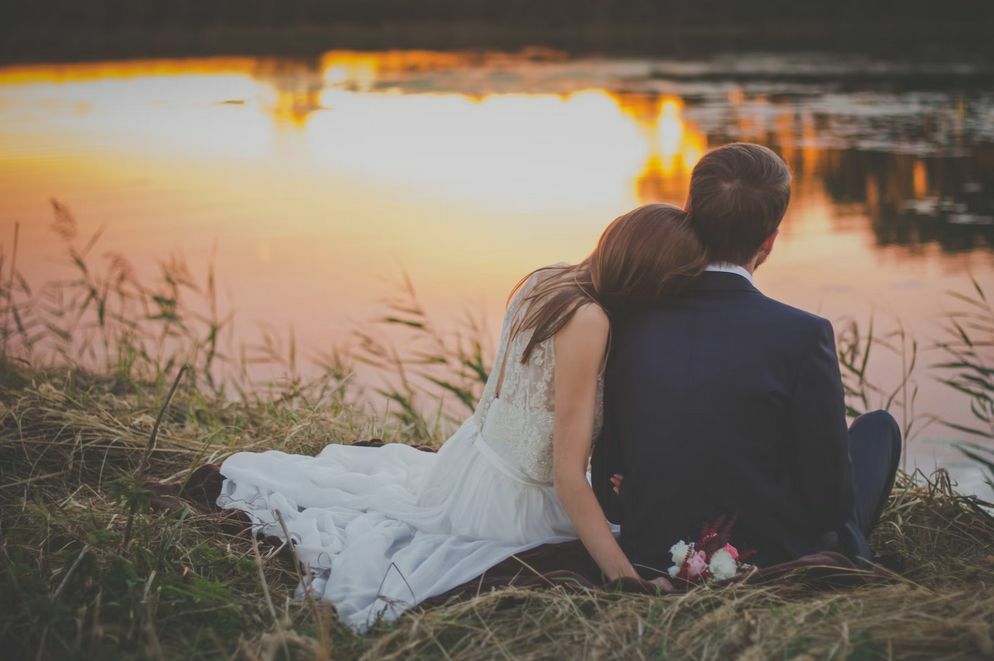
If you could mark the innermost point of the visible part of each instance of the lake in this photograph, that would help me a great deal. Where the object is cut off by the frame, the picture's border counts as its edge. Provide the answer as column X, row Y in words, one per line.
column 314, row 183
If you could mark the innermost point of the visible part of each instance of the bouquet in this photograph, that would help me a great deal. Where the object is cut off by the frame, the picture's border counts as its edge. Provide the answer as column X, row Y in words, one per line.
column 711, row 557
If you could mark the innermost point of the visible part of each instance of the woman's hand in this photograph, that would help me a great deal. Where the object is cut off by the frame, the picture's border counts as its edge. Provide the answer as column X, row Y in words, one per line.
column 616, row 483
column 580, row 351
column 663, row 583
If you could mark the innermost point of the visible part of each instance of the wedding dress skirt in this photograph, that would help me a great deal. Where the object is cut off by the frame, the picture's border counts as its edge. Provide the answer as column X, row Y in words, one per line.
column 382, row 529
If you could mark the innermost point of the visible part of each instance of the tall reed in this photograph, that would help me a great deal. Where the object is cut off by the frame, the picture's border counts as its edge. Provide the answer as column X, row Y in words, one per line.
column 107, row 318
column 968, row 369
column 438, row 372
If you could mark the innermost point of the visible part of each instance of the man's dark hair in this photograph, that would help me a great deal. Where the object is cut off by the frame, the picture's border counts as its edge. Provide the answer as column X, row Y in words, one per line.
column 738, row 196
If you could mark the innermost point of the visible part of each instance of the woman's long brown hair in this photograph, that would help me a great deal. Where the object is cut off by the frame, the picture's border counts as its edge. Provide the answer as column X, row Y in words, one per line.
column 642, row 258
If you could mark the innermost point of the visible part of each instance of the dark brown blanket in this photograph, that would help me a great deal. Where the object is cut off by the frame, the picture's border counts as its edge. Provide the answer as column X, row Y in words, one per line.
column 570, row 567
column 566, row 565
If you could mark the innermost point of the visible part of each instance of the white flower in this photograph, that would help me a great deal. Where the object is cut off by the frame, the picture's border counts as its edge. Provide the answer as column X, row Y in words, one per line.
column 679, row 553
column 723, row 565
column 674, row 570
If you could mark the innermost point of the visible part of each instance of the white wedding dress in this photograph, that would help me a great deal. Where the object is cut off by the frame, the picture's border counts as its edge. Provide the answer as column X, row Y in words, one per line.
column 382, row 529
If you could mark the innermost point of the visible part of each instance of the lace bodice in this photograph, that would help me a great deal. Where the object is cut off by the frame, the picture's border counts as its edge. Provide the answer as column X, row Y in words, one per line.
column 518, row 425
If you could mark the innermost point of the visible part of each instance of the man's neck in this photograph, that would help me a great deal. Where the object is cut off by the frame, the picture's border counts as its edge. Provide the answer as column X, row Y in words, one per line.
column 753, row 263
column 727, row 267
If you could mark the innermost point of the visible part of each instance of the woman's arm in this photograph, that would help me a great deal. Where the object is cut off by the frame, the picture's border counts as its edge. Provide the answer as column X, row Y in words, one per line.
column 580, row 348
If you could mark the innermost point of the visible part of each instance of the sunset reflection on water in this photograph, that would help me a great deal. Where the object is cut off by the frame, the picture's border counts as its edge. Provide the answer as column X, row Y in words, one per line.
column 522, row 150
column 317, row 181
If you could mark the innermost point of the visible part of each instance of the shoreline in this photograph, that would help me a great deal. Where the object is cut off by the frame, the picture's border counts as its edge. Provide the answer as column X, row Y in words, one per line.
column 33, row 44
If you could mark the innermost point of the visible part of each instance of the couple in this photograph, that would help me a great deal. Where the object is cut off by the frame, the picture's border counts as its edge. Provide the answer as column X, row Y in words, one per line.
column 697, row 396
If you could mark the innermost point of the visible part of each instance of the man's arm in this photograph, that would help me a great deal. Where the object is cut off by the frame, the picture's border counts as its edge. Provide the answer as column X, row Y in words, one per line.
column 820, row 430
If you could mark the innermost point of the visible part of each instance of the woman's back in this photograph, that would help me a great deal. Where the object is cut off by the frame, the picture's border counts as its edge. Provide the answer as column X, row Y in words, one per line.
column 516, row 413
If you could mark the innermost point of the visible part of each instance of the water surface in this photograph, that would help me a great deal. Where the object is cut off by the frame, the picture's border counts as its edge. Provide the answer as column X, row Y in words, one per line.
column 315, row 182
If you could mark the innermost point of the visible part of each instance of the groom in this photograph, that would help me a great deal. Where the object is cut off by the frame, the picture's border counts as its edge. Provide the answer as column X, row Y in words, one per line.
column 726, row 402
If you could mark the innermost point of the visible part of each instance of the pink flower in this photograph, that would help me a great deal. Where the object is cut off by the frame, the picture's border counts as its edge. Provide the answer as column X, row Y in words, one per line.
column 696, row 564
column 732, row 551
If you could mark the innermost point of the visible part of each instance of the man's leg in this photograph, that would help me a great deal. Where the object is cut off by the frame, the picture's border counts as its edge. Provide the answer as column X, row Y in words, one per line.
column 875, row 449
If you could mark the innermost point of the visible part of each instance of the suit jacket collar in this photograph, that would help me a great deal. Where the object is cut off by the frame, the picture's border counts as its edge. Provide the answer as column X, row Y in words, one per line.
column 730, row 268
column 722, row 281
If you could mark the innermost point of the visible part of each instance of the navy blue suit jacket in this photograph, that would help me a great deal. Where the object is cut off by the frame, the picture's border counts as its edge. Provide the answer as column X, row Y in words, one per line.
column 724, row 401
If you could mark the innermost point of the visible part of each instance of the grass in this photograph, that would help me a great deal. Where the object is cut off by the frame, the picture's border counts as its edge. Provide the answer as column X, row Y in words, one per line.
column 72, row 444
column 71, row 450
column 88, row 569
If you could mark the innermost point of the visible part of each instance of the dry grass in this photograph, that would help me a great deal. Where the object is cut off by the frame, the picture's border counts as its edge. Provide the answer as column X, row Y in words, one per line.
column 941, row 605
column 70, row 445
column 88, row 570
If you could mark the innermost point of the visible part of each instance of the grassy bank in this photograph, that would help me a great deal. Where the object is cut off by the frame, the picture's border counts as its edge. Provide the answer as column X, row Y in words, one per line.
column 89, row 569
column 72, row 586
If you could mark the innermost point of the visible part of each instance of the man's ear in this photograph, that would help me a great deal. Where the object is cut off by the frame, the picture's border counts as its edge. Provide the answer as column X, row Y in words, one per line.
column 765, row 249
column 767, row 246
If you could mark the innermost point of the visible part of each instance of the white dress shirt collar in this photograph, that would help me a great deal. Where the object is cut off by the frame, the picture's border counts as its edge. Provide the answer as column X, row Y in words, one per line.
column 725, row 267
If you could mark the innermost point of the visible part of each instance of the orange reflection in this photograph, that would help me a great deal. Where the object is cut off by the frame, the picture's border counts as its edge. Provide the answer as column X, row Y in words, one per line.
column 343, row 114
column 103, row 70
column 675, row 146
column 809, row 151
column 640, row 138
column 349, row 65
column 294, row 106
column 361, row 69
column 285, row 88
column 919, row 178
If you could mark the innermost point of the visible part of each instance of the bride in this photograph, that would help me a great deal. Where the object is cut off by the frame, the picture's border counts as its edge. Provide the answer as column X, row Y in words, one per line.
column 382, row 529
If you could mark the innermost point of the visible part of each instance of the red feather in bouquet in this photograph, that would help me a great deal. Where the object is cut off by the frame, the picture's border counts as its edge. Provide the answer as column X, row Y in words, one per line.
column 711, row 557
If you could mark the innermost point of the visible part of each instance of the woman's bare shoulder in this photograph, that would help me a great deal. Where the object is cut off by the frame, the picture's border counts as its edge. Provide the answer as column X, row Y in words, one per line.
column 589, row 320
